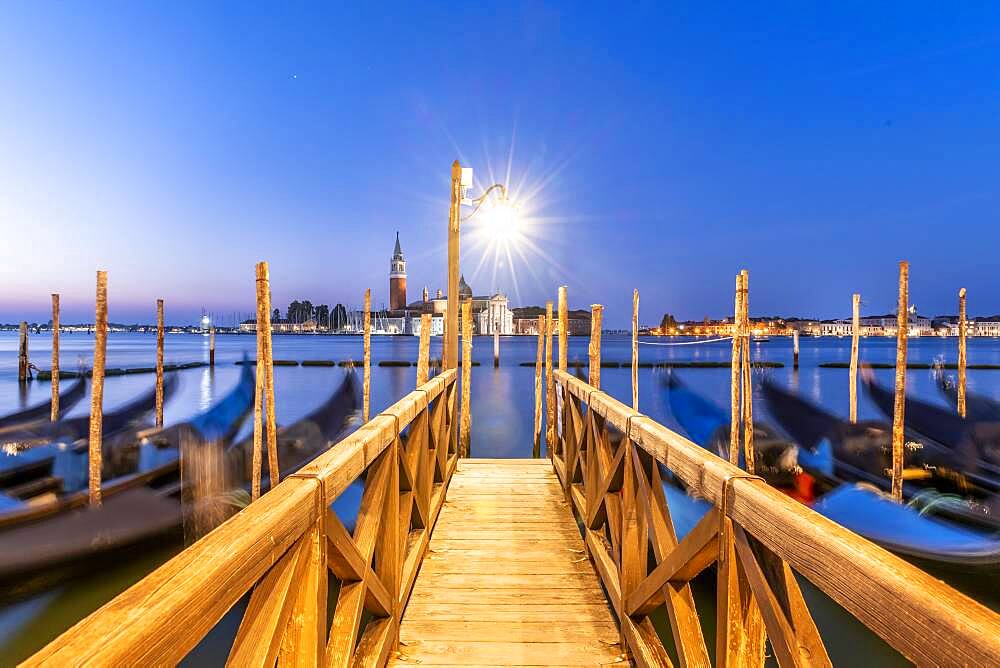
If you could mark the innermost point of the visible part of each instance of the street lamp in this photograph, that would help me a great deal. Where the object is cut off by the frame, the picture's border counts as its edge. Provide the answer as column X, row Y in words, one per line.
column 501, row 223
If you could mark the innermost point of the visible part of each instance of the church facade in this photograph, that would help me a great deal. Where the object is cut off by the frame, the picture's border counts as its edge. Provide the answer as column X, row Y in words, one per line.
column 490, row 313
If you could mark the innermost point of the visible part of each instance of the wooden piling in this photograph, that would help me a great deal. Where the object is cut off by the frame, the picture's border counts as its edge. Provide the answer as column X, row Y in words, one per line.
column 735, row 376
column 94, row 452
column 22, row 353
column 749, row 453
column 273, row 468
column 466, row 416
column 159, row 362
column 550, row 388
column 563, row 329
column 961, row 352
column 795, row 349
column 211, row 346
column 496, row 345
column 259, row 389
column 537, row 449
column 899, row 405
column 596, row 311
column 450, row 356
column 855, row 334
column 54, row 414
column 635, row 350
column 424, row 349
column 367, row 384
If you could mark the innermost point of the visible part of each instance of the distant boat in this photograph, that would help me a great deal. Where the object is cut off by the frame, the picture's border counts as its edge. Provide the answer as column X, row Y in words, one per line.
column 760, row 338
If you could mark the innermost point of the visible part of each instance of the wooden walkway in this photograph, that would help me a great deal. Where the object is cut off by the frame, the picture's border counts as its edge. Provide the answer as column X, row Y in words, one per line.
column 507, row 580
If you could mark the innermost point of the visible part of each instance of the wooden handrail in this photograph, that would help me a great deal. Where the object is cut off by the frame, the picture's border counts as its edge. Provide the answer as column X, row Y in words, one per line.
column 924, row 619
column 288, row 536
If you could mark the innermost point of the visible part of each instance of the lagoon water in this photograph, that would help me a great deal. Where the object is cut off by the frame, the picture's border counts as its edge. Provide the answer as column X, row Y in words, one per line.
column 502, row 416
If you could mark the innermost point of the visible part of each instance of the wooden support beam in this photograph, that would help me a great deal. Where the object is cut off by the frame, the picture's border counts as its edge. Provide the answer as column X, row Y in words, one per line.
column 424, row 350
column 855, row 334
column 635, row 350
column 962, row 356
column 537, row 431
column 259, row 389
column 596, row 311
column 22, row 353
column 749, row 453
column 451, row 313
column 735, row 376
column 899, row 405
column 367, row 354
column 563, row 329
column 465, row 442
column 54, row 414
column 159, row 362
column 550, row 387
column 95, row 450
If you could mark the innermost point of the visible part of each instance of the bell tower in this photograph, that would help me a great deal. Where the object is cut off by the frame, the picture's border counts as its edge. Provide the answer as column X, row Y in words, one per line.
column 397, row 278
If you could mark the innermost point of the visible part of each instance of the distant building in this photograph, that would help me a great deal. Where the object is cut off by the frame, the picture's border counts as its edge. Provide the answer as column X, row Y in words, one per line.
column 397, row 278
column 280, row 326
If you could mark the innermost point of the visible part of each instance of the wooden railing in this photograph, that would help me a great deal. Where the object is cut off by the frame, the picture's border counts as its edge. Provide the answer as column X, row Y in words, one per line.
column 284, row 547
column 609, row 459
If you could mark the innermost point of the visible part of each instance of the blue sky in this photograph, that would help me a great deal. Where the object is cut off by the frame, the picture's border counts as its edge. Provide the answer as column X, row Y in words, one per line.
column 664, row 147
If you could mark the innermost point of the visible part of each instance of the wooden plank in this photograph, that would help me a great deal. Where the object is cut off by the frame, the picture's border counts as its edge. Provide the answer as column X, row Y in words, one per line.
column 507, row 579
column 478, row 653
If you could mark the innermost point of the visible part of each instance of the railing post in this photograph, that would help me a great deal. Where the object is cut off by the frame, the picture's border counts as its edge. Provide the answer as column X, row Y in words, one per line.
column 899, row 405
column 596, row 311
column 95, row 451
column 54, row 415
column 961, row 352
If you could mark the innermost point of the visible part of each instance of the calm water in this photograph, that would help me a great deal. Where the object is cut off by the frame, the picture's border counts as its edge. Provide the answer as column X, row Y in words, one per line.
column 502, row 415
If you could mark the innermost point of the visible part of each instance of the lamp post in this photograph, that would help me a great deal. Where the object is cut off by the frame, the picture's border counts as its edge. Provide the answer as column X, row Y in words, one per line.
column 461, row 181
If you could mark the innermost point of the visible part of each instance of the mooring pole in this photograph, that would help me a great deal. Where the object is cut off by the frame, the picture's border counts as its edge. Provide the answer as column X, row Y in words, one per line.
column 855, row 339
column 367, row 384
column 537, row 448
column 795, row 349
column 211, row 346
column 635, row 350
column 735, row 376
column 94, row 451
column 563, row 329
column 159, row 362
column 961, row 352
column 899, row 405
column 424, row 349
column 54, row 414
column 22, row 353
column 465, row 442
column 596, row 310
column 550, row 389
column 496, row 345
column 273, row 470
column 259, row 388
column 749, row 454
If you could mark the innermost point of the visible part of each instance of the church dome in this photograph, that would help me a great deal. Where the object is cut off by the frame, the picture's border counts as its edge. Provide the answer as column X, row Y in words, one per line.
column 464, row 291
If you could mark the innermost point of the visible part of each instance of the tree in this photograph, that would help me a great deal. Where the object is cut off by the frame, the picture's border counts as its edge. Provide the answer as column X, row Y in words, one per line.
column 323, row 315
column 305, row 310
column 293, row 310
column 667, row 323
column 276, row 315
column 339, row 317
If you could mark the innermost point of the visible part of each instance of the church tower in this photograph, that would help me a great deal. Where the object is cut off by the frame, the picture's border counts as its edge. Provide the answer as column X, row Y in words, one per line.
column 397, row 279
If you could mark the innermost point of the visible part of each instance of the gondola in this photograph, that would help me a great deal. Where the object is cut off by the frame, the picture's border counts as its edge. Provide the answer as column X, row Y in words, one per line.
column 862, row 452
column 974, row 444
column 31, row 452
column 70, row 543
column 67, row 399
column 857, row 507
column 977, row 406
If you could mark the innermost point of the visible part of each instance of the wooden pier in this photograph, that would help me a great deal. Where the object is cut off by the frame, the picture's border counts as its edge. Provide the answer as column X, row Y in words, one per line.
column 464, row 561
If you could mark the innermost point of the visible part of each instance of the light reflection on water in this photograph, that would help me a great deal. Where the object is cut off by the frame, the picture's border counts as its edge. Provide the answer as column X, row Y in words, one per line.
column 502, row 411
